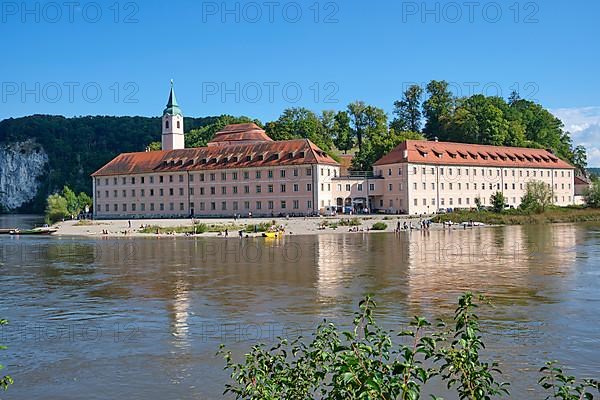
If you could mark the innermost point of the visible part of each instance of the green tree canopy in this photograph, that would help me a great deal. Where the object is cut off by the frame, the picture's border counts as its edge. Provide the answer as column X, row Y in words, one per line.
column 408, row 110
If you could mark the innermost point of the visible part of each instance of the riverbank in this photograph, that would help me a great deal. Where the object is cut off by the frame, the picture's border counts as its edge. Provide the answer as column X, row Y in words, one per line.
column 517, row 217
column 250, row 227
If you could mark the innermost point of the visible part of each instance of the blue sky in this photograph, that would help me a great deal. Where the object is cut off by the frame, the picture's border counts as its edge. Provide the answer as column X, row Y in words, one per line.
column 257, row 58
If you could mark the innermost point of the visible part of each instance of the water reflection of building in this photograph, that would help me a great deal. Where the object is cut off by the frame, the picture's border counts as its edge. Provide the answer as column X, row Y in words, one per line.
column 503, row 262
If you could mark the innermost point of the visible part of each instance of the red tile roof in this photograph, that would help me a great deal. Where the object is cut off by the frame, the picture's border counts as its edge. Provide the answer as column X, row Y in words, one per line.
column 261, row 154
column 238, row 134
column 447, row 153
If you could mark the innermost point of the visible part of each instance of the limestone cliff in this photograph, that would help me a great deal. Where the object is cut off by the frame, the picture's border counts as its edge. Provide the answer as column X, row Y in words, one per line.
column 22, row 164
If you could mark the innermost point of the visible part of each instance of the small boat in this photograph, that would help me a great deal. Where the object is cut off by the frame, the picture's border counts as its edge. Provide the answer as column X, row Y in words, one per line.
column 272, row 235
column 34, row 231
column 4, row 231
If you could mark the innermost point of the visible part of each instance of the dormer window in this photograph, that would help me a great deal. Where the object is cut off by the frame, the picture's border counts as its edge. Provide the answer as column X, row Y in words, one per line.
column 248, row 158
column 301, row 154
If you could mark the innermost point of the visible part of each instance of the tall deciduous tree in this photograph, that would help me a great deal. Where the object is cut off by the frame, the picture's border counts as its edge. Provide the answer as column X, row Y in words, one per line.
column 408, row 110
column 299, row 123
column 342, row 133
column 438, row 109
column 357, row 112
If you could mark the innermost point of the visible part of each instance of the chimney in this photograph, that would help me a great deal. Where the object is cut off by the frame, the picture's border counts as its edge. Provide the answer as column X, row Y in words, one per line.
column 435, row 139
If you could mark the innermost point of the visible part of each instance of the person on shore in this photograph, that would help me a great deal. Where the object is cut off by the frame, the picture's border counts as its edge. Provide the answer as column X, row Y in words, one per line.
column 241, row 234
column 129, row 224
column 226, row 232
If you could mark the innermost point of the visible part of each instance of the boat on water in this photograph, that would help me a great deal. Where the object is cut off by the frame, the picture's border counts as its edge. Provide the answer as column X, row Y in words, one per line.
column 272, row 235
column 6, row 231
column 34, row 231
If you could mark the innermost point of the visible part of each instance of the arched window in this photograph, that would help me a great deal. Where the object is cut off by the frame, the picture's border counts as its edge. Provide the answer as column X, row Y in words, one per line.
column 167, row 124
column 178, row 124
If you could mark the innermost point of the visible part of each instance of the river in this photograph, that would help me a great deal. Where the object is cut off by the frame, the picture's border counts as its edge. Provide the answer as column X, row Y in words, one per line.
column 143, row 318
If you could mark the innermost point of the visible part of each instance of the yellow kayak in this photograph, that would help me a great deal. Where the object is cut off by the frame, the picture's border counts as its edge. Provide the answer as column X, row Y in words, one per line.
column 272, row 235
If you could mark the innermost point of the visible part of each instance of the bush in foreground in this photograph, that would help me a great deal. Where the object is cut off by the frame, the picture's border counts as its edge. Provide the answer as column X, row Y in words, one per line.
column 366, row 363
column 5, row 381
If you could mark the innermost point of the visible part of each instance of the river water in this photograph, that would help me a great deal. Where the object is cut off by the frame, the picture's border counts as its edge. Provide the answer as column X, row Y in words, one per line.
column 143, row 318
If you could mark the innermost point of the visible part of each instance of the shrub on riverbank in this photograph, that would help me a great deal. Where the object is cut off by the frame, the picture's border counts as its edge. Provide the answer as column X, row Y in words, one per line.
column 66, row 204
column 379, row 226
column 5, row 381
column 367, row 363
column 522, row 217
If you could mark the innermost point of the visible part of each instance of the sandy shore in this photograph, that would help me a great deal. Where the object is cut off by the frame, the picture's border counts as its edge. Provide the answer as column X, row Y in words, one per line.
column 295, row 226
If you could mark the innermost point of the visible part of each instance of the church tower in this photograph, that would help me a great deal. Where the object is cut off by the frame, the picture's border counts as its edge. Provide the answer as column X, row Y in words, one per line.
column 172, row 124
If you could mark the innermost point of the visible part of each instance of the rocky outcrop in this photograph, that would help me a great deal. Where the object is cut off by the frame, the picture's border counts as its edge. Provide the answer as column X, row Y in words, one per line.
column 21, row 166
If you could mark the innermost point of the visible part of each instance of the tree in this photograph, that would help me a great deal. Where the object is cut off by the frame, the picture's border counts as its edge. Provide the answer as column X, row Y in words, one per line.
column 376, row 138
column 56, row 209
column 297, row 123
column 438, row 109
column 155, row 146
column 83, row 201
column 592, row 195
column 357, row 112
column 5, row 381
column 498, row 202
column 480, row 119
column 342, row 133
column 408, row 110
column 72, row 201
column 580, row 159
column 538, row 196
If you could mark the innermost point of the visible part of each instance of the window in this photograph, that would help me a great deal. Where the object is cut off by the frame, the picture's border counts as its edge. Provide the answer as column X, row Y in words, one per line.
column 171, row 192
column 270, row 189
column 181, row 191
column 133, row 180
column 282, row 173
column 414, row 186
column 224, row 205
column 170, row 178
column 133, row 207
column 143, row 192
column 234, row 176
column 371, row 186
column 235, row 190
column 180, row 178
column 259, row 205
column 213, row 190
column 212, row 177
column 223, row 176
column 360, row 187
column 201, row 177
column 296, row 204
column 309, row 187
column 308, row 172
column 296, row 187
column 295, row 171
column 191, row 191
column 224, row 190
column 283, row 188
column 258, row 188
column 246, row 189
column 283, row 204
column 171, row 206
column 235, row 206
column 270, row 174
column 271, row 205
column 390, row 187
column 258, row 174
column 162, row 207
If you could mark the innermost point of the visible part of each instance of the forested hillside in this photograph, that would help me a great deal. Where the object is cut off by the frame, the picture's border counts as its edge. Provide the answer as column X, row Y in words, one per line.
column 76, row 147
